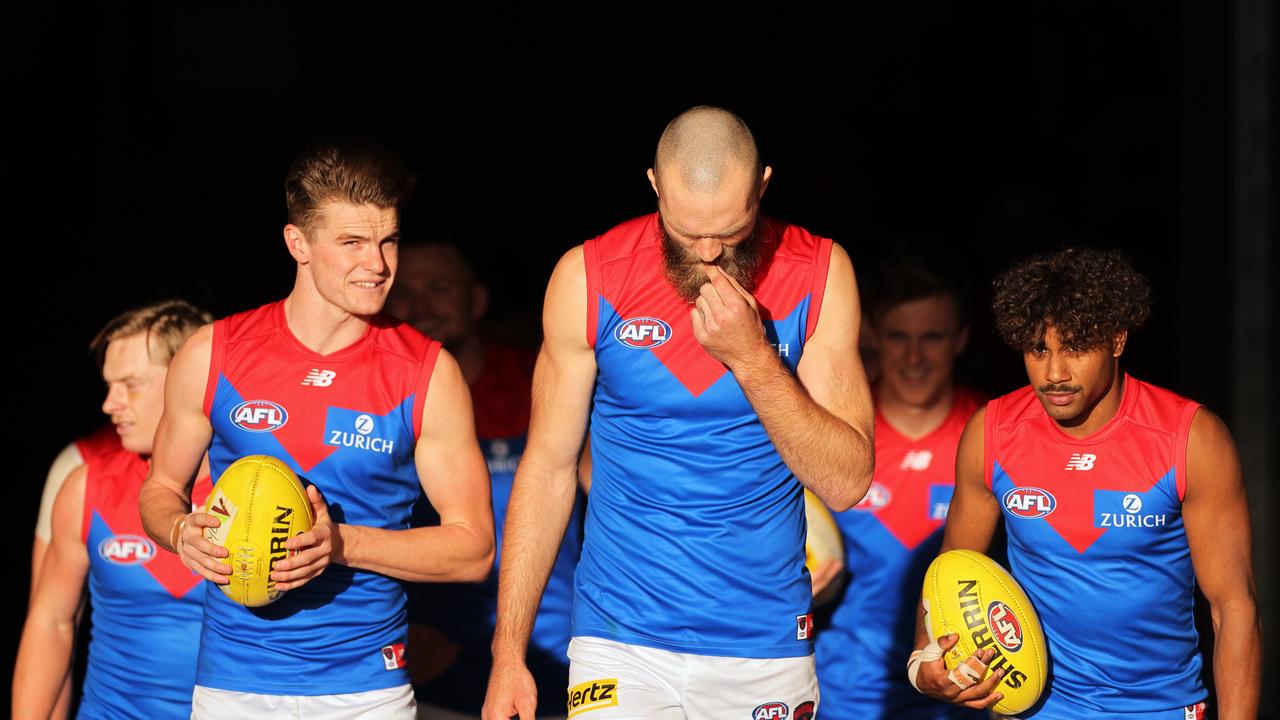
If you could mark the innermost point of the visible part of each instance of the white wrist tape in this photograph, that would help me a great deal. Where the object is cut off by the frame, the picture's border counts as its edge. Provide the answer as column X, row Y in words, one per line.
column 928, row 653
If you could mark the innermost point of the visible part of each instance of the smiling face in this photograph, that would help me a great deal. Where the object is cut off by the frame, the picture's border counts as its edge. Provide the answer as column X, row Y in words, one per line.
column 437, row 293
column 918, row 342
column 1072, row 383
column 135, row 391
column 349, row 252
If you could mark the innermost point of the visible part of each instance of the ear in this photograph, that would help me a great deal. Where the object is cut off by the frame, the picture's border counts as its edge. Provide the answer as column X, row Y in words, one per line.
column 764, row 181
column 653, row 182
column 296, row 240
column 479, row 301
column 1117, row 345
column 962, row 340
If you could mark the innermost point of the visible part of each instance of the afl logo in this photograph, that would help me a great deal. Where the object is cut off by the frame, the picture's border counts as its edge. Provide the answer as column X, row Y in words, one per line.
column 1029, row 502
column 643, row 333
column 259, row 416
column 126, row 550
column 770, row 711
column 877, row 497
column 1004, row 626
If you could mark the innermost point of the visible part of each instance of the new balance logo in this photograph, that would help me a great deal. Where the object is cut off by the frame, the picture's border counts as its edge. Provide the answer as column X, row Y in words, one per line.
column 916, row 460
column 319, row 378
column 1081, row 461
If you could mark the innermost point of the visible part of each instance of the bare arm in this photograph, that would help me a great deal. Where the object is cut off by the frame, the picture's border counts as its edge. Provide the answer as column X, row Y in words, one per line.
column 821, row 421
column 452, row 471
column 44, row 656
column 181, row 440
column 67, row 460
column 971, row 523
column 543, row 494
column 1215, row 513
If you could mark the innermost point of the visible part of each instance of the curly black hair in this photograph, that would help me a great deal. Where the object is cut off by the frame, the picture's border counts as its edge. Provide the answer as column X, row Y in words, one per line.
column 1088, row 295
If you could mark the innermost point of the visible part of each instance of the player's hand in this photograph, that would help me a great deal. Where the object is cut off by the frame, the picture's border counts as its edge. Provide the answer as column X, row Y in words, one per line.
column 310, row 551
column 512, row 693
column 726, row 320
column 198, row 553
column 934, row 680
column 825, row 574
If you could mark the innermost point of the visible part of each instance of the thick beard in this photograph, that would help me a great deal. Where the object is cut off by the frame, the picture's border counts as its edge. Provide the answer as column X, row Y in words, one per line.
column 685, row 270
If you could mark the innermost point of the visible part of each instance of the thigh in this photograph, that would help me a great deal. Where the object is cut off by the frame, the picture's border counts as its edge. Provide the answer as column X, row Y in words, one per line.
column 759, row 689
column 614, row 681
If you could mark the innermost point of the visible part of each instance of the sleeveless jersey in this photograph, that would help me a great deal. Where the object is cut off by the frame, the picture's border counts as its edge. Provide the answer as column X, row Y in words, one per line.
column 346, row 422
column 465, row 613
column 1096, row 539
column 695, row 528
column 889, row 539
column 146, row 605
column 101, row 442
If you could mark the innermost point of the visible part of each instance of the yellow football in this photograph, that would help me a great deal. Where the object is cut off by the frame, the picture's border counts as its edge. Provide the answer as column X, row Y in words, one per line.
column 972, row 595
column 261, row 504
column 823, row 542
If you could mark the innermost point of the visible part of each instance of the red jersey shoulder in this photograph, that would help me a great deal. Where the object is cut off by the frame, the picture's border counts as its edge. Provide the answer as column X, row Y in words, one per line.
column 1157, row 407
column 248, row 324
column 103, row 441
column 400, row 338
column 626, row 239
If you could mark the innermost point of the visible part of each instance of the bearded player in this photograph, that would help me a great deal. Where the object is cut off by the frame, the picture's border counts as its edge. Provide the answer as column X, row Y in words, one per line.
column 1118, row 498
column 146, row 607
column 368, row 412
column 715, row 353
column 917, row 327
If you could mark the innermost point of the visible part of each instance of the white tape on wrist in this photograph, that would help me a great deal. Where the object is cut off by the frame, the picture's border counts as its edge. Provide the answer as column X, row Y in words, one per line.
column 928, row 653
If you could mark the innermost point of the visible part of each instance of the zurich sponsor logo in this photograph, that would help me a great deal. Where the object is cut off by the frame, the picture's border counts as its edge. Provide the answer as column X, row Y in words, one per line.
column 643, row 333
column 877, row 497
column 770, row 711
column 126, row 550
column 259, row 416
column 1004, row 626
column 1029, row 502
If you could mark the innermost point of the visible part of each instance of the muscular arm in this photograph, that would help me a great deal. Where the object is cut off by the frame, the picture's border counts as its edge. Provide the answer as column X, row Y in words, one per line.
column 44, row 656
column 1215, row 513
column 456, row 481
column 821, row 420
column 543, row 494
column 69, row 459
column 181, row 440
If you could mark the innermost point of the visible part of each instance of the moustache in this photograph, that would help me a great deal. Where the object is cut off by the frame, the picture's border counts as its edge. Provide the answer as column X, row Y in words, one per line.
column 1059, row 388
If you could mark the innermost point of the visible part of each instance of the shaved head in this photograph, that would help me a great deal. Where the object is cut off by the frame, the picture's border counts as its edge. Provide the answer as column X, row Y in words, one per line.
column 702, row 146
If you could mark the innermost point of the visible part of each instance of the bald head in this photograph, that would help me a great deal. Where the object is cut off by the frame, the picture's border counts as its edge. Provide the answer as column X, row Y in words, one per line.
column 702, row 147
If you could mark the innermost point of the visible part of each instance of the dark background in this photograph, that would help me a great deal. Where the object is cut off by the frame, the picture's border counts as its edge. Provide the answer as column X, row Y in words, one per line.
column 151, row 144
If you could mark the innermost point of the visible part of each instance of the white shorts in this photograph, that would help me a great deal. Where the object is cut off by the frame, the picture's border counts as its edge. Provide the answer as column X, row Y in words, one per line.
column 614, row 681
column 393, row 703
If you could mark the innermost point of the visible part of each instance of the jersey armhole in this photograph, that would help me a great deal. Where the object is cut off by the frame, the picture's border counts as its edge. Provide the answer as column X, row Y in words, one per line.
column 216, row 352
column 989, row 444
column 1180, row 447
column 821, row 269
column 591, row 263
column 423, row 382
column 86, row 512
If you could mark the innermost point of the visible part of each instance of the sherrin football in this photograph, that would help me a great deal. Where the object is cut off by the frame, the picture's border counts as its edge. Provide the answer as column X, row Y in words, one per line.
column 823, row 542
column 261, row 504
column 972, row 595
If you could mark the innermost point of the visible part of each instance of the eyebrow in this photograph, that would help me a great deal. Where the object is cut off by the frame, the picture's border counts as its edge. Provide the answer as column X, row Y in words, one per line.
column 717, row 236
column 357, row 235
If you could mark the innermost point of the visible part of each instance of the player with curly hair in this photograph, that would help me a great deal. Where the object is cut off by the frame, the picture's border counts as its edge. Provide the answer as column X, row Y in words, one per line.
column 1117, row 496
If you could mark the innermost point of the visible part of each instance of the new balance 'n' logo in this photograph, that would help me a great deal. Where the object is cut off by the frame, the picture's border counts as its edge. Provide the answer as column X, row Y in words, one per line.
column 1081, row 461
column 319, row 378
column 916, row 460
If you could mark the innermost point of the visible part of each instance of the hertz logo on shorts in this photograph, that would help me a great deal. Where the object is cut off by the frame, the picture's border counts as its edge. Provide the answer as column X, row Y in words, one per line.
column 593, row 695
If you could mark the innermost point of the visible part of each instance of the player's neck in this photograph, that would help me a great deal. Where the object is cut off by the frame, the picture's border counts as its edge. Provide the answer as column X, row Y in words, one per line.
column 319, row 325
column 914, row 421
column 1092, row 420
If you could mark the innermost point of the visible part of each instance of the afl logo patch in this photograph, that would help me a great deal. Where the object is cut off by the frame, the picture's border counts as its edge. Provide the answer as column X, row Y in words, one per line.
column 1029, row 502
column 259, row 416
column 643, row 333
column 126, row 550
column 877, row 497
column 1004, row 626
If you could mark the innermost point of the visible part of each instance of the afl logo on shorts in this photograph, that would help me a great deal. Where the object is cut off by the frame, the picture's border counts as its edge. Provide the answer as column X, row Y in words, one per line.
column 126, row 550
column 771, row 711
column 1029, row 502
column 1004, row 625
column 259, row 416
column 643, row 333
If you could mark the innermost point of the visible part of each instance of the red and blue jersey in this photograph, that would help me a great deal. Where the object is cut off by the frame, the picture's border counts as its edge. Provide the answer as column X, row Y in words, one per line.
column 1097, row 541
column 890, row 538
column 695, row 528
column 146, row 605
column 466, row 613
column 346, row 422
